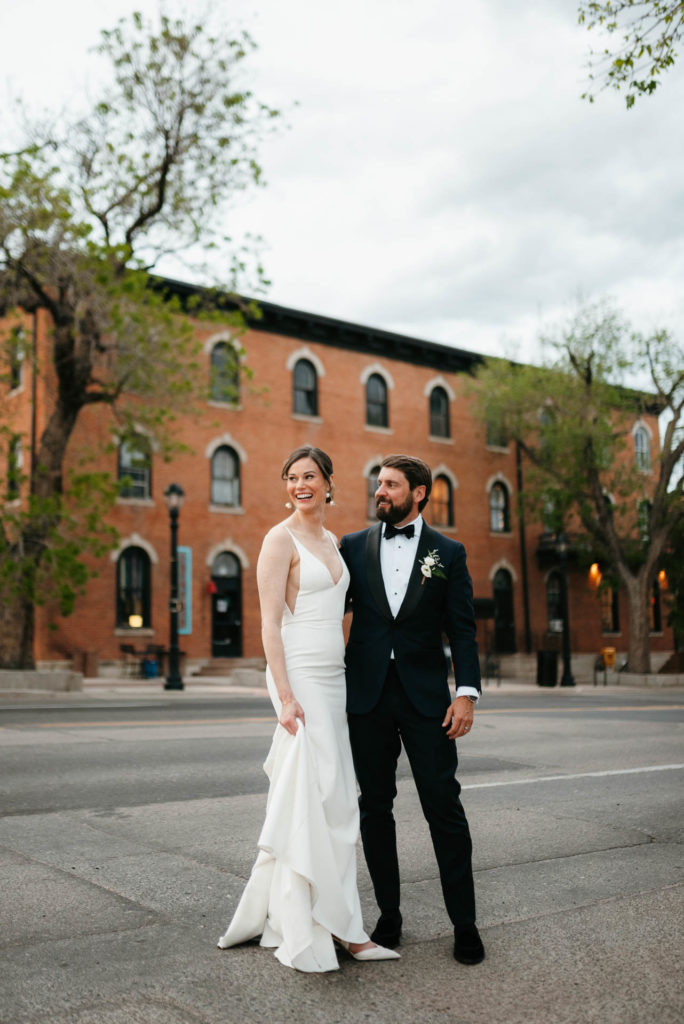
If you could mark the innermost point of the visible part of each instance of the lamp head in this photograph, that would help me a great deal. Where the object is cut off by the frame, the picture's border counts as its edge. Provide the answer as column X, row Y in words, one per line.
column 174, row 495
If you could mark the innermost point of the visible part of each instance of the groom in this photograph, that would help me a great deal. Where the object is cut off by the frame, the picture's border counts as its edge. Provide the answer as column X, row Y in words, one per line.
column 409, row 585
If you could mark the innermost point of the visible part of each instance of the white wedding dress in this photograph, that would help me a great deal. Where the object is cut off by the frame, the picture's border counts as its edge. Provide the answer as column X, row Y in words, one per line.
column 302, row 889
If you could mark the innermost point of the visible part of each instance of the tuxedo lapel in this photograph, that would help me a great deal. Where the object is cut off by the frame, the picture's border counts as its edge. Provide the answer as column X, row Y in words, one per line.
column 415, row 589
column 373, row 570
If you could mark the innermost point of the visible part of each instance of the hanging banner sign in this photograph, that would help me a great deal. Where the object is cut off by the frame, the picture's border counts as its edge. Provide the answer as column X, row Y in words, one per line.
column 185, row 591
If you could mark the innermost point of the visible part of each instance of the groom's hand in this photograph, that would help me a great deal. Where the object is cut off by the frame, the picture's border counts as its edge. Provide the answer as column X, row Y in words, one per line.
column 458, row 720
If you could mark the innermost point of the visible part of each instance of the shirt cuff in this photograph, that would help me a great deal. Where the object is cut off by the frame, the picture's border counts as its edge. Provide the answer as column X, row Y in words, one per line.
column 467, row 691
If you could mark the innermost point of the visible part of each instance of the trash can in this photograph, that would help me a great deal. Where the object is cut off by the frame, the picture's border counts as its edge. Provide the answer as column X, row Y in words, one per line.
column 547, row 668
column 150, row 668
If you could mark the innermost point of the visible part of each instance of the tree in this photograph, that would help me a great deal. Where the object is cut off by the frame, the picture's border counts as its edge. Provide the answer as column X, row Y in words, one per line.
column 649, row 30
column 85, row 216
column 574, row 420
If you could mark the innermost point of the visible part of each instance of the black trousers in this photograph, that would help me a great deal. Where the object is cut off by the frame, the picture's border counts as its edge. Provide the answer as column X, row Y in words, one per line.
column 376, row 740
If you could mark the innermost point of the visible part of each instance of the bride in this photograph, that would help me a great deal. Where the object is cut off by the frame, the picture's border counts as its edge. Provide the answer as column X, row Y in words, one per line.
column 301, row 896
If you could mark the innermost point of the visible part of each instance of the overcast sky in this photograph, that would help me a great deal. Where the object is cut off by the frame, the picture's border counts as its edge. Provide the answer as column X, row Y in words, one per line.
column 440, row 176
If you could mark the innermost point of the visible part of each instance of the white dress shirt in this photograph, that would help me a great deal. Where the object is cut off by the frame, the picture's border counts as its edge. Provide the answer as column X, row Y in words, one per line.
column 397, row 556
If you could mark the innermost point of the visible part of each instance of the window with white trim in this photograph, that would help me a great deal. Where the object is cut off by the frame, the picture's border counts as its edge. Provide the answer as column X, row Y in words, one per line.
column 439, row 413
column 377, row 409
column 305, row 388
column 133, row 586
column 442, row 501
column 225, row 477
column 134, row 468
column 499, row 511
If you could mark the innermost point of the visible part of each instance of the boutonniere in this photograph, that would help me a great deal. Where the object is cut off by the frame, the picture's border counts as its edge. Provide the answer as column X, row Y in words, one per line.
column 431, row 566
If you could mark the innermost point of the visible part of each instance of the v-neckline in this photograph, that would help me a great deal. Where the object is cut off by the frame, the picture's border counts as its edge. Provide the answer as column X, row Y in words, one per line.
column 334, row 582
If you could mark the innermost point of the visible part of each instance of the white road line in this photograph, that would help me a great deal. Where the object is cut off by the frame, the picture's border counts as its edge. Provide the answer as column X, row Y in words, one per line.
column 578, row 775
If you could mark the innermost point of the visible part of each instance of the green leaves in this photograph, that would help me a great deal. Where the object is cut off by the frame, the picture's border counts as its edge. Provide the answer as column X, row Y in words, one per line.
column 650, row 31
column 574, row 416
column 575, row 421
column 84, row 219
column 43, row 542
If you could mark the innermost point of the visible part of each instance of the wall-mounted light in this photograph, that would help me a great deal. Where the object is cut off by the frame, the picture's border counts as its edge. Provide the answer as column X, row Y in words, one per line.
column 662, row 580
column 594, row 576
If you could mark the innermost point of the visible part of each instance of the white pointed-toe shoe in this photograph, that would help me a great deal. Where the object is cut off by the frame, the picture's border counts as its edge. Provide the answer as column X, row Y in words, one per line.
column 371, row 952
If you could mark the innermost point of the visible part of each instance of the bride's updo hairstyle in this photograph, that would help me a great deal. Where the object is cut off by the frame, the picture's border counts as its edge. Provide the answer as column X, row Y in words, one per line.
column 322, row 460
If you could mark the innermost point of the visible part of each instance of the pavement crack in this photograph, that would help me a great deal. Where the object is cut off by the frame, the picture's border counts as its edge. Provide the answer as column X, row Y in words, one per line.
column 565, row 857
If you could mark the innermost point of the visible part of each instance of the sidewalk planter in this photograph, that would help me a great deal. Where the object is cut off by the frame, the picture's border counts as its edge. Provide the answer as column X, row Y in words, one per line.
column 61, row 681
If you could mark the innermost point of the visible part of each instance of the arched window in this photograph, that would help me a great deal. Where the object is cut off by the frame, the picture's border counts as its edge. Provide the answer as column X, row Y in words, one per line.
column 439, row 413
column 552, row 512
column 16, row 358
column 496, row 433
column 642, row 448
column 226, row 566
column 371, row 488
column 554, row 603
column 133, row 586
column 377, row 414
column 134, row 468
column 499, row 514
column 442, row 502
column 224, row 373
column 610, row 609
column 305, row 388
column 225, row 477
column 14, row 464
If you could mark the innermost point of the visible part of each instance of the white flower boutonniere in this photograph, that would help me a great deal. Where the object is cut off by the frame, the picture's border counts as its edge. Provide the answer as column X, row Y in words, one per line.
column 431, row 566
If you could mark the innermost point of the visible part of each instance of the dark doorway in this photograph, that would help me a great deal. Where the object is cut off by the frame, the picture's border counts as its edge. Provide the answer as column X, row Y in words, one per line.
column 226, row 607
column 504, row 615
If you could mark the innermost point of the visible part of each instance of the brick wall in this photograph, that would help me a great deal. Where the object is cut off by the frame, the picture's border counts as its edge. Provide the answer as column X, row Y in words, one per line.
column 263, row 430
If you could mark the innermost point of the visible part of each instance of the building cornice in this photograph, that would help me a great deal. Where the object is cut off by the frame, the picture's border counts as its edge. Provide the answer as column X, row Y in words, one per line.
column 324, row 330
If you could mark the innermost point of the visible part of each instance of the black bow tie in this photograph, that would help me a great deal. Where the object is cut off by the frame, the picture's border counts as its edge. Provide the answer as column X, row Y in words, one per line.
column 399, row 531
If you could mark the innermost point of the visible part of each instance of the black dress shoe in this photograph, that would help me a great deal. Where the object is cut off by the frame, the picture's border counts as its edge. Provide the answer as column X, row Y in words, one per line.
column 388, row 930
column 468, row 948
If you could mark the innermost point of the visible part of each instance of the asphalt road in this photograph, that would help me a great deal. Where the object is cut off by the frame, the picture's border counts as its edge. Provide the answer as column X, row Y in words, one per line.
column 120, row 753
column 128, row 827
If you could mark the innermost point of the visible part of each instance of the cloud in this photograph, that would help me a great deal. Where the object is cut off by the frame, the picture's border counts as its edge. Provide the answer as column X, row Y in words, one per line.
column 440, row 175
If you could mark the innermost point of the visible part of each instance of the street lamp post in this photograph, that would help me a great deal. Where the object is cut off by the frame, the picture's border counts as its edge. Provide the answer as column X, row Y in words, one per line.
column 174, row 496
column 562, row 546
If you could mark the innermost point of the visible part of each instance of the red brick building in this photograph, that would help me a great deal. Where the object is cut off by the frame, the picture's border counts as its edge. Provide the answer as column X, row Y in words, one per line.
column 359, row 393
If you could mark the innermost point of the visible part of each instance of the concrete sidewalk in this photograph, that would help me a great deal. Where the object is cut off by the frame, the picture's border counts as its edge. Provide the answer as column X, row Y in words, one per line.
column 106, row 688
column 100, row 690
column 111, row 916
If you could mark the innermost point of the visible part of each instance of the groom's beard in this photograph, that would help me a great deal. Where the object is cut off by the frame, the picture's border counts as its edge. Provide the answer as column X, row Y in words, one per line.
column 389, row 513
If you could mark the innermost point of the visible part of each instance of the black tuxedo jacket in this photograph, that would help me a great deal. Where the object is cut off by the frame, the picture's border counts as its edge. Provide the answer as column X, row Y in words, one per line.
column 429, row 609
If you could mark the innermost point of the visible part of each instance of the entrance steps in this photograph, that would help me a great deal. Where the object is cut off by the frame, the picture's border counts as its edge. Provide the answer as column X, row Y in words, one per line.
column 237, row 671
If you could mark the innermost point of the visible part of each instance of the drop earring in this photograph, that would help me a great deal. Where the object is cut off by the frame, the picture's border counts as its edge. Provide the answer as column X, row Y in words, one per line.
column 288, row 504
